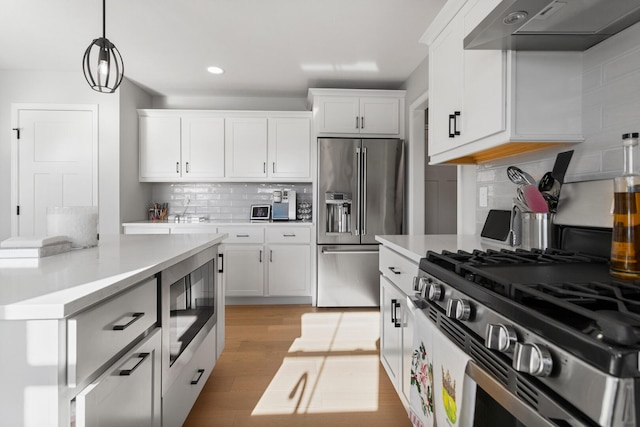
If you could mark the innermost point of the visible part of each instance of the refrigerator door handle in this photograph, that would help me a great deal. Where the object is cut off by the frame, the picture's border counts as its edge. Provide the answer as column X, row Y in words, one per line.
column 358, row 191
column 364, row 191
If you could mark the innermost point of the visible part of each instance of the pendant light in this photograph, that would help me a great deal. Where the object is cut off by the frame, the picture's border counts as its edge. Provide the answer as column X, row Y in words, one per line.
column 109, row 68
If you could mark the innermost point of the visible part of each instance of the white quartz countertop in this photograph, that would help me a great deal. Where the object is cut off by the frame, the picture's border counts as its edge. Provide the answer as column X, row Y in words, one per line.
column 213, row 223
column 56, row 286
column 415, row 247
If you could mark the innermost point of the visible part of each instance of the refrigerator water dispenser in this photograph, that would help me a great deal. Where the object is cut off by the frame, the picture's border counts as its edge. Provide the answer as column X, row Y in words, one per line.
column 338, row 212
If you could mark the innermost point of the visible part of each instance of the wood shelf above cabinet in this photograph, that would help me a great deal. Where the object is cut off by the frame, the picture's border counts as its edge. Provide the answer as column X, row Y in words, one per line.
column 501, row 151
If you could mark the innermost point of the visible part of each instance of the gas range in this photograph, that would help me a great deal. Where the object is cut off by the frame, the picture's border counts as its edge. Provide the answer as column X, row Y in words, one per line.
column 553, row 327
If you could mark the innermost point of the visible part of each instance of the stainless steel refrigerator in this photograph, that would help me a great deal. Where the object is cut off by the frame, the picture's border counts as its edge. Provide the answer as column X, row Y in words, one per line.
column 360, row 194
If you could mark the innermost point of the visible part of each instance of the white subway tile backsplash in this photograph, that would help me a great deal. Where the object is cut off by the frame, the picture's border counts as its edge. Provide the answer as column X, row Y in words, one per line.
column 222, row 201
column 610, row 107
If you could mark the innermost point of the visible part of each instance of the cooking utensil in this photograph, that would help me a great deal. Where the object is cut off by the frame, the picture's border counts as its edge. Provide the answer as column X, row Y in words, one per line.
column 561, row 165
column 534, row 199
column 552, row 202
column 518, row 176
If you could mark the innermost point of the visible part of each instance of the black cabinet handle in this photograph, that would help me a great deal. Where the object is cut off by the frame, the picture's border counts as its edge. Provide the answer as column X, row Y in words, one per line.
column 136, row 317
column 393, row 270
column 362, row 122
column 197, row 379
column 177, row 167
column 456, row 116
column 396, row 306
column 221, row 269
column 452, row 125
column 357, row 126
column 393, row 310
column 127, row 372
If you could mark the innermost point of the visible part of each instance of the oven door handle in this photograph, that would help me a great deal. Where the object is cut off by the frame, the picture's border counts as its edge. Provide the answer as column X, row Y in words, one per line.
column 506, row 399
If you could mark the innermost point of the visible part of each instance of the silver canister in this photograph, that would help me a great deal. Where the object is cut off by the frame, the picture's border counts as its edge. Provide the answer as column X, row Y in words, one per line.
column 536, row 230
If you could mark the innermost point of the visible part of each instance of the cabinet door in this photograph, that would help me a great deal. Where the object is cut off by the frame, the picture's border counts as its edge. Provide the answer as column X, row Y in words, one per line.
column 246, row 147
column 338, row 114
column 159, row 148
column 408, row 326
column 244, row 270
column 128, row 393
column 390, row 330
column 203, row 147
column 289, row 148
column 289, row 270
column 380, row 115
column 445, row 85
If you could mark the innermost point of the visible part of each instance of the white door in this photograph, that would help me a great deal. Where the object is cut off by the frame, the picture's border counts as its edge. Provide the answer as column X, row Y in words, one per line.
column 54, row 162
column 289, row 148
column 380, row 115
column 203, row 147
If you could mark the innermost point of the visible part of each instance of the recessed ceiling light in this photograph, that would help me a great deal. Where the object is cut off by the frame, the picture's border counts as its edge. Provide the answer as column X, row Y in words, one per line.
column 215, row 70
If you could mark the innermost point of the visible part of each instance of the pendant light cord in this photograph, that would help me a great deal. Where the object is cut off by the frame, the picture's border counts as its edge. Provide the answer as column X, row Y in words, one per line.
column 104, row 19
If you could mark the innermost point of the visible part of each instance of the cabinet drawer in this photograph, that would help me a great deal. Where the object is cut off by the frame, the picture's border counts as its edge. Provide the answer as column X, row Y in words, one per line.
column 243, row 234
column 398, row 269
column 288, row 235
column 98, row 334
column 128, row 393
column 182, row 394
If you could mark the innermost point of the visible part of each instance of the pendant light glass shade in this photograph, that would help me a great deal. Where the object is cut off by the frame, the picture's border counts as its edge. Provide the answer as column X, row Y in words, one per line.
column 102, row 63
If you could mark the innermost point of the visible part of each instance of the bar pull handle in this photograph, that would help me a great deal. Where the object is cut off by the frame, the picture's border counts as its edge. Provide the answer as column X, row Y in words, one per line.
column 456, row 116
column 242, row 235
column 135, row 318
column 364, row 191
column 394, row 313
column 199, row 374
column 127, row 372
column 362, row 122
column 289, row 235
column 359, row 190
column 221, row 269
column 177, row 167
column 452, row 125
column 264, row 167
column 394, row 271
column 270, row 255
column 260, row 256
column 273, row 167
column 357, row 122
column 187, row 167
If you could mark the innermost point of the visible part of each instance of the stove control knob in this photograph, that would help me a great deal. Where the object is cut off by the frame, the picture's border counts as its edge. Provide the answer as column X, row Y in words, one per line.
column 434, row 292
column 500, row 337
column 419, row 284
column 458, row 309
column 532, row 359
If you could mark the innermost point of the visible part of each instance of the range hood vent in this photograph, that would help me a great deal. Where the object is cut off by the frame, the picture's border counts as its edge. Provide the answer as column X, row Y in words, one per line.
column 560, row 25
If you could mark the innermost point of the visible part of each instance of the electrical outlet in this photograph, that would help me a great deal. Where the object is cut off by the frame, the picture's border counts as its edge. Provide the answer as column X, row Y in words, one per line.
column 483, row 197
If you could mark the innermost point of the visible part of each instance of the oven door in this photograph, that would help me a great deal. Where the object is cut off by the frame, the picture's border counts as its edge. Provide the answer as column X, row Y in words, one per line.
column 450, row 388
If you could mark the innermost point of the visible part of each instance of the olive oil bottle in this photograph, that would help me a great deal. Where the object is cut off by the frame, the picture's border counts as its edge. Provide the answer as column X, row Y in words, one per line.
column 625, row 244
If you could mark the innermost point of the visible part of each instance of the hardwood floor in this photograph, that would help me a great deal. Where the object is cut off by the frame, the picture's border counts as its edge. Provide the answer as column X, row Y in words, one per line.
column 299, row 365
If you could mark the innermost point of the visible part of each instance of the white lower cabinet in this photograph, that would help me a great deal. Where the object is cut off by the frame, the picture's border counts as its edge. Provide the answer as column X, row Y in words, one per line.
column 396, row 320
column 128, row 393
column 180, row 397
column 269, row 261
column 243, row 270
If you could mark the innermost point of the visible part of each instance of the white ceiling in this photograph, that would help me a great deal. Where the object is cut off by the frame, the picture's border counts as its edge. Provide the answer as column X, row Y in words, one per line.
column 267, row 47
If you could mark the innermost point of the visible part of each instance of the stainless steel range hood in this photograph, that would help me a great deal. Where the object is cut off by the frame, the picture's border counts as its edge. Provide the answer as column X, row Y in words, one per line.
column 552, row 25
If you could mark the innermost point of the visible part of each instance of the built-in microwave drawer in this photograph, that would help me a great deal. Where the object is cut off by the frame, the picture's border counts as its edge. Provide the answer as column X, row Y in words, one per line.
column 243, row 234
column 288, row 235
column 98, row 334
column 398, row 269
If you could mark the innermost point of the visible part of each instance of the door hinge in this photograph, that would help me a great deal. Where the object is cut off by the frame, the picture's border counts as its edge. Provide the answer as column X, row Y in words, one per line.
column 17, row 210
column 17, row 132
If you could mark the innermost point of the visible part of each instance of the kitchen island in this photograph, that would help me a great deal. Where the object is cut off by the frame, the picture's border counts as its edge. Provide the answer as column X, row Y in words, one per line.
column 82, row 332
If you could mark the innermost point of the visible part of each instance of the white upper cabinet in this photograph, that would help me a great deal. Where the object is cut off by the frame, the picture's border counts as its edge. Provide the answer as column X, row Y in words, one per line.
column 485, row 104
column 358, row 112
column 289, row 148
column 203, row 145
column 246, row 147
column 160, row 148
column 181, row 148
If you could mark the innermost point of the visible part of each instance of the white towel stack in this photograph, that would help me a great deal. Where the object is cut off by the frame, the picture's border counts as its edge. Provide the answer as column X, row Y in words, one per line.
column 34, row 246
